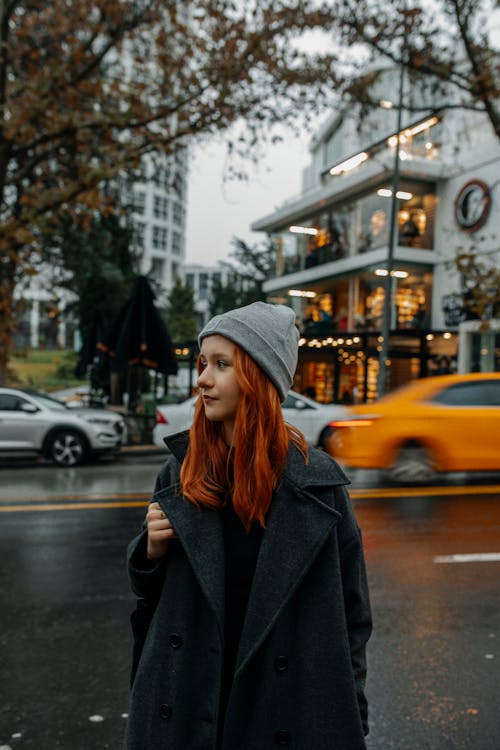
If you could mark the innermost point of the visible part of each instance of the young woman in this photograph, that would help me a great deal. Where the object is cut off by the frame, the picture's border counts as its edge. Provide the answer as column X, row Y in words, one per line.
column 252, row 560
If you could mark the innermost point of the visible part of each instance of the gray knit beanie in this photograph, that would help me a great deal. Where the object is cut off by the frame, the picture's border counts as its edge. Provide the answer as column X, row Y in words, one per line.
column 267, row 333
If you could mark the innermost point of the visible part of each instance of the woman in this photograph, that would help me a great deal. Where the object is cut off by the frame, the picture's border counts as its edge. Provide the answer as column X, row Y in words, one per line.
column 253, row 560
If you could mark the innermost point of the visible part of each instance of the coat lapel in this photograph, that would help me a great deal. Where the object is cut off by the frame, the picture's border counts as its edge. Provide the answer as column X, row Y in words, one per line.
column 297, row 526
column 200, row 533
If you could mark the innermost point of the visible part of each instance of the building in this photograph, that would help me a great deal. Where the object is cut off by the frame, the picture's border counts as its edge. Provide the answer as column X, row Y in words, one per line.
column 334, row 243
column 202, row 280
column 156, row 207
column 158, row 212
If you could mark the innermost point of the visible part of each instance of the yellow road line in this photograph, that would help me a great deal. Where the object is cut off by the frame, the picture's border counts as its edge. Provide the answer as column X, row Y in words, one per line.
column 96, row 501
column 72, row 506
column 486, row 489
column 97, row 496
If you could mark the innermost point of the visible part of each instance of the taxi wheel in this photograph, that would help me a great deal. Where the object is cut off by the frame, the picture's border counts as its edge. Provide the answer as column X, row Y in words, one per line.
column 323, row 438
column 413, row 465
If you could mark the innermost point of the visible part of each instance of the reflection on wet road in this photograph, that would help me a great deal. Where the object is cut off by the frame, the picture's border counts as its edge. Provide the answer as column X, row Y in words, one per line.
column 432, row 556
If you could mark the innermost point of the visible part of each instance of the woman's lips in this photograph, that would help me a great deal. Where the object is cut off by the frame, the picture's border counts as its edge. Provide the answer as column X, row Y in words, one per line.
column 208, row 399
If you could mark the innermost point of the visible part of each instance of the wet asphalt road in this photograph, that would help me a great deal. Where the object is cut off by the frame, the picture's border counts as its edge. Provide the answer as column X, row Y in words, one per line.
column 434, row 659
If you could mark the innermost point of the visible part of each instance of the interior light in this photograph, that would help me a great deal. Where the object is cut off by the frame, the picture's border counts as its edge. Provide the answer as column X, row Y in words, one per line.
column 348, row 164
column 386, row 104
column 429, row 336
column 447, row 335
column 397, row 274
column 428, row 145
column 300, row 293
column 303, row 230
column 421, row 126
column 403, row 195
column 403, row 155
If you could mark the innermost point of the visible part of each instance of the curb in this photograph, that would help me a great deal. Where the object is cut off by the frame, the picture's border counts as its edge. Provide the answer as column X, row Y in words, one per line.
column 145, row 449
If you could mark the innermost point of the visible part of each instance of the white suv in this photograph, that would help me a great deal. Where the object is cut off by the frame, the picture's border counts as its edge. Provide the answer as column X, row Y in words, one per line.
column 310, row 417
column 32, row 422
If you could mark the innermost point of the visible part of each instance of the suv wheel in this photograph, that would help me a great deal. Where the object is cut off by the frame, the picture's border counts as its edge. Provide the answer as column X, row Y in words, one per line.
column 67, row 448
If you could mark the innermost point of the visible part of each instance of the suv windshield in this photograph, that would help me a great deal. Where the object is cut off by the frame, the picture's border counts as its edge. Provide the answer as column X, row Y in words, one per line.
column 47, row 401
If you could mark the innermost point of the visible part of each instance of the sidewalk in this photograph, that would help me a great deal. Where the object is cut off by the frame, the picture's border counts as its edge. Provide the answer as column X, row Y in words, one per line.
column 143, row 449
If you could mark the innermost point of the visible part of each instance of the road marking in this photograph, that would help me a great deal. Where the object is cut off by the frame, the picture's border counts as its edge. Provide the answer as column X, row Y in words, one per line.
column 137, row 499
column 467, row 558
column 389, row 492
column 76, row 496
column 72, row 506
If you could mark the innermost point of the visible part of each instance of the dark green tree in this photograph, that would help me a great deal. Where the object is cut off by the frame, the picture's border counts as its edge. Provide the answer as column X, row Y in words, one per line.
column 180, row 313
column 252, row 265
column 226, row 296
column 88, row 88
column 99, row 265
column 249, row 267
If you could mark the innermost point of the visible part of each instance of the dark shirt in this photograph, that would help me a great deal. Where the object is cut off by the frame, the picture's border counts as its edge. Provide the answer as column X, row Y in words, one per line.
column 240, row 553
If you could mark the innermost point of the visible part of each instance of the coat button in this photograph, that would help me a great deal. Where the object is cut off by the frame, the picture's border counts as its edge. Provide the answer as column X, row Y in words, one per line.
column 175, row 640
column 165, row 711
column 282, row 737
column 281, row 664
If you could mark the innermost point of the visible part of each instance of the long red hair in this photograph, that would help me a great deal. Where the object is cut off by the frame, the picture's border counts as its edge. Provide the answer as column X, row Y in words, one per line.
column 251, row 468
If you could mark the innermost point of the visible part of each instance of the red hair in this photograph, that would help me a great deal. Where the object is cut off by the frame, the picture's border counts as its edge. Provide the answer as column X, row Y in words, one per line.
column 251, row 468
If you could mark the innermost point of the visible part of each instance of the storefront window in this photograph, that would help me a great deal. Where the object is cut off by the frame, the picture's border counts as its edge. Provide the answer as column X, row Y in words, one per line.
column 359, row 227
column 411, row 301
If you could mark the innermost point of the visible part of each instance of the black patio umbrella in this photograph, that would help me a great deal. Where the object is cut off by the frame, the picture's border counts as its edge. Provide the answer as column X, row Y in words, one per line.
column 90, row 356
column 139, row 336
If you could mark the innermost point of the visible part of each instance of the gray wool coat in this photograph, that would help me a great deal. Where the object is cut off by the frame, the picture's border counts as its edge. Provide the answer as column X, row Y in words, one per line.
column 300, row 672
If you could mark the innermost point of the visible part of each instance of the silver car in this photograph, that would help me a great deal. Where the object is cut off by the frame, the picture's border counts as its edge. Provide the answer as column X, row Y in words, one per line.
column 32, row 422
column 310, row 417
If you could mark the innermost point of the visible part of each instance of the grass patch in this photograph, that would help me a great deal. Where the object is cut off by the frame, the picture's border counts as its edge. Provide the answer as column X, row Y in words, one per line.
column 45, row 369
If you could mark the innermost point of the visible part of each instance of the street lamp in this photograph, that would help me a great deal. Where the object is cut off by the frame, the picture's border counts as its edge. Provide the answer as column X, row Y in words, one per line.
column 386, row 318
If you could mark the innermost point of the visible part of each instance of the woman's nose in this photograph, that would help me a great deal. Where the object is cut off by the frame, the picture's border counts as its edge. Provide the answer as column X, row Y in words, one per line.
column 203, row 379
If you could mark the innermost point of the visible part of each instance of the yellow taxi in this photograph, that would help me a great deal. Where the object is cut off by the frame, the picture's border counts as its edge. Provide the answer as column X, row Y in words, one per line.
column 438, row 424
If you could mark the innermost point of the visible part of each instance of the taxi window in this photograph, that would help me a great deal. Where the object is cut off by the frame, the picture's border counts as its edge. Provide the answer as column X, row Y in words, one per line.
column 481, row 393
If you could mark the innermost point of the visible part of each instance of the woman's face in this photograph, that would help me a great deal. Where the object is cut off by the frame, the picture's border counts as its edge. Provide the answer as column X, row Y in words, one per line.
column 217, row 381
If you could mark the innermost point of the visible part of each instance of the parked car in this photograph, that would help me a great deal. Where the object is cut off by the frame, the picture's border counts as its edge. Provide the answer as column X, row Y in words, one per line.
column 438, row 424
column 32, row 422
column 309, row 416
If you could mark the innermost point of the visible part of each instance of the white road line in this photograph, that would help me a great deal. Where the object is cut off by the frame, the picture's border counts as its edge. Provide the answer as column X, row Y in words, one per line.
column 467, row 558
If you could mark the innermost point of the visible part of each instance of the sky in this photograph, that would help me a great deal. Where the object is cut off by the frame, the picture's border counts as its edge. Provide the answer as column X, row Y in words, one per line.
column 218, row 211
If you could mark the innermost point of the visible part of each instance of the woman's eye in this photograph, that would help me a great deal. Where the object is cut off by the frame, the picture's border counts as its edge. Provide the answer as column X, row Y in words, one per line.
column 221, row 363
column 203, row 365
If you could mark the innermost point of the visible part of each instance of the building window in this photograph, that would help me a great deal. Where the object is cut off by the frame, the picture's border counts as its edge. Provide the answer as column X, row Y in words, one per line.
column 139, row 204
column 138, row 234
column 175, row 271
column 160, row 207
column 159, row 237
column 161, row 178
column 157, row 268
column 178, row 213
column 190, row 280
column 176, row 243
column 216, row 278
column 178, row 185
column 203, row 291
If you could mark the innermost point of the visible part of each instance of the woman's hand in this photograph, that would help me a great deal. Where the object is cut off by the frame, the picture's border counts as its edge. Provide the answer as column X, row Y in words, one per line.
column 160, row 531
